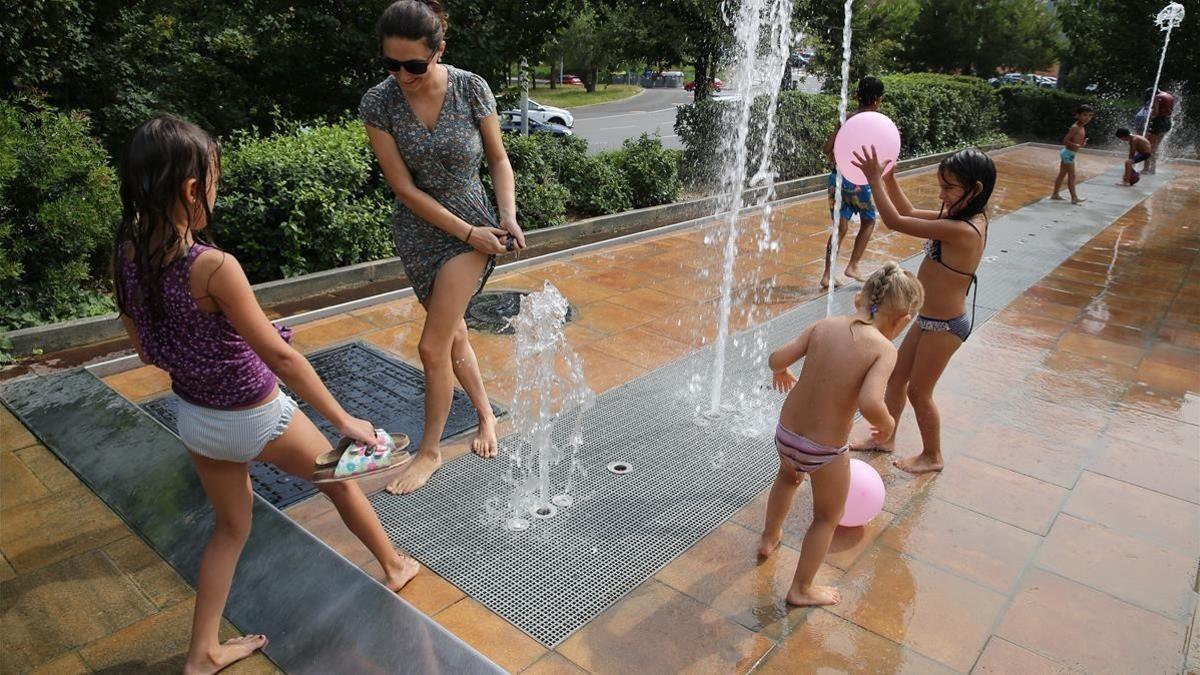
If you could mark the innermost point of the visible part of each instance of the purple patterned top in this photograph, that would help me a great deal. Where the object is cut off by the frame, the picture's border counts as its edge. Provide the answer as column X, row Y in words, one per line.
column 209, row 363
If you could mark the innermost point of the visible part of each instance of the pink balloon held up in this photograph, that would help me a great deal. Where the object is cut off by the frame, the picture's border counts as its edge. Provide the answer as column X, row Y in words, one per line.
column 865, row 499
column 864, row 130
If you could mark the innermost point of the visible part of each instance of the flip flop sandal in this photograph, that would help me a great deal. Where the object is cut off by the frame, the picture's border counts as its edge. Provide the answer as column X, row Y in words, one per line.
column 352, row 460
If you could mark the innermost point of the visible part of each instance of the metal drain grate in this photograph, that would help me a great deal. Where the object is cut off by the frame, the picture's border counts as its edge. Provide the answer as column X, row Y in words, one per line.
column 490, row 311
column 554, row 578
column 370, row 384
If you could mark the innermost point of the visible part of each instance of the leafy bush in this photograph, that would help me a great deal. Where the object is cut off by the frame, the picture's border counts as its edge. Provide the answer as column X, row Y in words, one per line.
column 541, row 198
column 58, row 206
column 597, row 185
column 939, row 112
column 1046, row 114
column 651, row 170
column 934, row 113
column 302, row 200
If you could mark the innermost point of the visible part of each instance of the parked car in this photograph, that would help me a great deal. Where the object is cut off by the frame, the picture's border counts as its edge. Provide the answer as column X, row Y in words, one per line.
column 717, row 84
column 1010, row 78
column 547, row 114
column 568, row 79
column 1046, row 81
column 510, row 122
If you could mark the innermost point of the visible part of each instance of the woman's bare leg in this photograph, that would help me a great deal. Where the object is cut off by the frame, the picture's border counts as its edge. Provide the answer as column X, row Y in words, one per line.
column 466, row 370
column 933, row 354
column 227, row 485
column 453, row 287
column 296, row 452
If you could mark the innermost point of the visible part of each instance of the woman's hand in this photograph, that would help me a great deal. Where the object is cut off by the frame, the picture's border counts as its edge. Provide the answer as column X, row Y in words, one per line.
column 487, row 240
column 868, row 162
column 358, row 430
column 783, row 380
column 510, row 226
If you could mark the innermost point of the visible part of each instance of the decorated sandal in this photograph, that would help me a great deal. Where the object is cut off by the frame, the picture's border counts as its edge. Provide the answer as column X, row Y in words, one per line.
column 352, row 460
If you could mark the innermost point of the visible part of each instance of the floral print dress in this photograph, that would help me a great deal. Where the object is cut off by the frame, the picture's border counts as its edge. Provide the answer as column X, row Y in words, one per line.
column 444, row 163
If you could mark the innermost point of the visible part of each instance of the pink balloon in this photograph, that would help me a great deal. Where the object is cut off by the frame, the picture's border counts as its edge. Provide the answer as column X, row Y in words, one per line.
column 865, row 129
column 865, row 499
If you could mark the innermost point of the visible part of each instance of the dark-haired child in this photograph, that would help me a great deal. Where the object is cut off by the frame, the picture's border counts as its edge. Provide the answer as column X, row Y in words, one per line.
column 1140, row 150
column 856, row 199
column 1075, row 139
column 189, row 309
column 955, row 236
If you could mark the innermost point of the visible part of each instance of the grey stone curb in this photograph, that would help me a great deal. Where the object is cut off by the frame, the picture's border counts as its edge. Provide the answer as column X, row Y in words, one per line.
column 92, row 330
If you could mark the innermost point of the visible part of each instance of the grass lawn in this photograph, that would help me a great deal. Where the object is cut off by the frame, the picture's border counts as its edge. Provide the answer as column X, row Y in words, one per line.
column 569, row 95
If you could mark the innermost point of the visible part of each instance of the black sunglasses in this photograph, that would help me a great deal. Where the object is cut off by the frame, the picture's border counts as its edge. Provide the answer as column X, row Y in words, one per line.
column 416, row 66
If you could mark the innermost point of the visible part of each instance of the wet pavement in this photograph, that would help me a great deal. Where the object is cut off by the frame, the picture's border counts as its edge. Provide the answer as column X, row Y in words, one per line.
column 1076, row 554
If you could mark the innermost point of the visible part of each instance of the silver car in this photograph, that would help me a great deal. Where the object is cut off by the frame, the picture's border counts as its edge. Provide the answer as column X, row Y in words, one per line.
column 547, row 114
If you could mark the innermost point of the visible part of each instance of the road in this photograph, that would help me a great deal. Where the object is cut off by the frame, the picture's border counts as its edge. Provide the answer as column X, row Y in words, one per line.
column 606, row 125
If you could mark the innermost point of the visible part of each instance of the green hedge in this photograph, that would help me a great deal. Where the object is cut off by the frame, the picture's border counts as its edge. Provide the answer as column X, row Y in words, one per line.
column 302, row 200
column 1046, row 114
column 59, row 203
column 933, row 113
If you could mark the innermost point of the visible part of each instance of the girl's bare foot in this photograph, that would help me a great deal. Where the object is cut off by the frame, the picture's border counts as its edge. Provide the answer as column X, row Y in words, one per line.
column 417, row 473
column 921, row 463
column 1057, row 197
column 484, row 444
column 814, row 596
column 838, row 283
column 400, row 573
column 868, row 445
column 853, row 273
column 225, row 655
column 1078, row 200
column 769, row 544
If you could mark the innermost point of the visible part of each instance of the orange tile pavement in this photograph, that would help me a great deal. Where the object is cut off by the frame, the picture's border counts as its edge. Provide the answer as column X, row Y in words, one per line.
column 1075, row 553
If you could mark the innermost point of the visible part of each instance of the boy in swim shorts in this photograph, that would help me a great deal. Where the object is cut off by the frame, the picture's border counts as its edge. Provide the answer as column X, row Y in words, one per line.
column 1075, row 139
column 1140, row 150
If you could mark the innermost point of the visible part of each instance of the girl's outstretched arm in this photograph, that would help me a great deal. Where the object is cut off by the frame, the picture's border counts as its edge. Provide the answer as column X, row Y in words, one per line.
column 230, row 289
column 901, row 202
column 791, row 352
column 917, row 226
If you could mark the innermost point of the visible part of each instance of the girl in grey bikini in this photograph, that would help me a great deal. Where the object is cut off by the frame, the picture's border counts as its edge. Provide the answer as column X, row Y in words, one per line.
column 955, row 236
column 431, row 125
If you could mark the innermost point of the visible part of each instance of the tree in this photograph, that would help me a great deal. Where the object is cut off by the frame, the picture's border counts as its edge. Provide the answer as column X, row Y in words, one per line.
column 486, row 36
column 1115, row 43
column 593, row 42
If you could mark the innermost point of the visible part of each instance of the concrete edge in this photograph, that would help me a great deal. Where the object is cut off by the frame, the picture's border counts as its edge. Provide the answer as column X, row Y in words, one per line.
column 612, row 227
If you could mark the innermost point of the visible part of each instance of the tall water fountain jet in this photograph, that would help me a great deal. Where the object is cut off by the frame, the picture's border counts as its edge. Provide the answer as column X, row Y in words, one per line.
column 1168, row 19
column 551, row 391
column 832, row 253
column 762, row 30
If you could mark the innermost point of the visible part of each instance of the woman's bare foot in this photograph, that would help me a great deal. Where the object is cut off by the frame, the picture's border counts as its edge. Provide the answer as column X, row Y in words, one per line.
column 921, row 463
column 814, row 596
column 769, row 544
column 417, row 473
column 400, row 572
column 484, row 444
column 225, row 655
column 853, row 272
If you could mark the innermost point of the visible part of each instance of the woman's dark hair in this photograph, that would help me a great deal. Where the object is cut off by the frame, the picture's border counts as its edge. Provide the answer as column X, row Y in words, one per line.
column 969, row 167
column 870, row 90
column 162, row 154
column 413, row 20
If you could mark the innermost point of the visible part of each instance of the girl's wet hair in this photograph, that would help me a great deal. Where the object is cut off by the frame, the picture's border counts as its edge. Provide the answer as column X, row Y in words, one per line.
column 423, row 20
column 969, row 167
column 893, row 289
column 870, row 90
column 163, row 153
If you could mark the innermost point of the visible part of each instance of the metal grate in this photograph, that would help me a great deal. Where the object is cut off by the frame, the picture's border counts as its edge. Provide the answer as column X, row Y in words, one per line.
column 554, row 578
column 369, row 384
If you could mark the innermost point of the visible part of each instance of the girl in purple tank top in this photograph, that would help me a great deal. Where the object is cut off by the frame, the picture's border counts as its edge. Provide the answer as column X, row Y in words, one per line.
column 189, row 309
